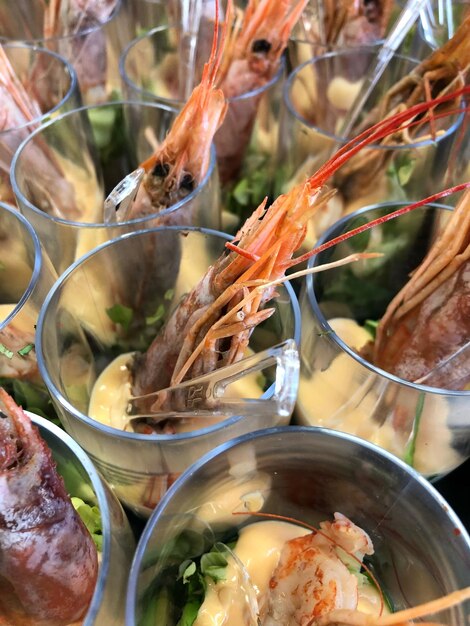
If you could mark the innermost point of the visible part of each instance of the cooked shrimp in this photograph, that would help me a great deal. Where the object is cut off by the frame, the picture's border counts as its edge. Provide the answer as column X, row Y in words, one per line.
column 428, row 321
column 178, row 166
column 49, row 563
column 83, row 44
column 251, row 59
column 12, row 364
column 311, row 579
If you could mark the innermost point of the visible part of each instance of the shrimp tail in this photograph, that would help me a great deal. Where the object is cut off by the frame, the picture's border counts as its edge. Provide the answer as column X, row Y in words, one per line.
column 49, row 564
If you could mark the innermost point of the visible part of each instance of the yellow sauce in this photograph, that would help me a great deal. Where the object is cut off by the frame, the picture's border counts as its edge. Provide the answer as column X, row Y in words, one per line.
column 112, row 391
column 259, row 548
column 344, row 396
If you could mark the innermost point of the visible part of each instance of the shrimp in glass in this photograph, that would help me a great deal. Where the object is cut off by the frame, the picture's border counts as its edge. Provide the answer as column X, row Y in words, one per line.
column 49, row 564
column 180, row 163
column 251, row 59
column 76, row 26
column 424, row 333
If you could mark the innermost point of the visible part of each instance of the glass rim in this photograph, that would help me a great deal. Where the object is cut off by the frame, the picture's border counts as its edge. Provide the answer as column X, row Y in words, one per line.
column 98, row 488
column 381, row 455
column 16, row 162
column 174, row 101
column 37, row 263
column 341, row 141
column 334, row 337
column 110, row 430
column 58, row 38
column 42, row 119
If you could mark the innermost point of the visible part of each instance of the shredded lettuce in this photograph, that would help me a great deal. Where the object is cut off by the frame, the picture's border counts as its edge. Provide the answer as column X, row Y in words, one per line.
column 91, row 517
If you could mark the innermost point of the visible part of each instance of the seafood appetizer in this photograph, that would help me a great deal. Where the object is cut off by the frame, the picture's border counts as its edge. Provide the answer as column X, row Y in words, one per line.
column 49, row 562
column 425, row 333
column 372, row 320
column 404, row 165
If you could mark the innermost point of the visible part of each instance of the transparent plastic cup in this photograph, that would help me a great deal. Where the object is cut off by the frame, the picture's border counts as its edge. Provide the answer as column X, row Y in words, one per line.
column 51, row 83
column 26, row 275
column 91, row 45
column 83, row 481
column 146, row 272
column 422, row 550
column 93, row 148
column 339, row 388
column 309, row 135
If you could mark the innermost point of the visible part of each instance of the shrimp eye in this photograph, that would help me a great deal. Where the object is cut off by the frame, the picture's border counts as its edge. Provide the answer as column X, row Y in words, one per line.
column 261, row 45
column 161, row 169
column 187, row 182
column 3, row 416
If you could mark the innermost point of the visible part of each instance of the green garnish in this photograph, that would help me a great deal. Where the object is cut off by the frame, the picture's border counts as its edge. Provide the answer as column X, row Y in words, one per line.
column 409, row 455
column 120, row 314
column 26, row 350
column 4, row 350
column 186, row 570
column 91, row 517
column 157, row 316
column 213, row 565
column 371, row 327
column 169, row 293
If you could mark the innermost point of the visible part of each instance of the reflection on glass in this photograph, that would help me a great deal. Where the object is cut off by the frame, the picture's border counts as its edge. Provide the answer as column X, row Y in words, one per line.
column 89, row 151
column 339, row 387
column 88, row 322
column 308, row 475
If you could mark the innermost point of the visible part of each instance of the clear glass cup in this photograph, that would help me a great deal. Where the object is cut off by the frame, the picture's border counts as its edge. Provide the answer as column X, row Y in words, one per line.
column 308, row 137
column 338, row 388
column 26, row 275
column 92, row 47
column 307, row 474
column 440, row 20
column 76, row 340
column 246, row 143
column 51, row 83
column 89, row 151
column 83, row 481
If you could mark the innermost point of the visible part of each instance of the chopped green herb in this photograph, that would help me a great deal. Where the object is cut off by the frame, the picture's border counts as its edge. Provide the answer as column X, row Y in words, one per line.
column 26, row 350
column 91, row 517
column 410, row 449
column 324, row 333
column 169, row 293
column 120, row 314
column 186, row 570
column 157, row 316
column 4, row 350
column 371, row 327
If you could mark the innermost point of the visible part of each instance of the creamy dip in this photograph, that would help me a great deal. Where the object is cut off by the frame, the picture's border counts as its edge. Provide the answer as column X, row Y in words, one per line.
column 345, row 396
column 259, row 548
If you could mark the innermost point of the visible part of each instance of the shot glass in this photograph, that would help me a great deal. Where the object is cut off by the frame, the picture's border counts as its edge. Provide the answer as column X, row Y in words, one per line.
column 26, row 275
column 84, row 154
column 83, row 481
column 86, row 322
column 246, row 143
column 50, row 88
column 421, row 549
column 309, row 135
column 91, row 39
column 339, row 388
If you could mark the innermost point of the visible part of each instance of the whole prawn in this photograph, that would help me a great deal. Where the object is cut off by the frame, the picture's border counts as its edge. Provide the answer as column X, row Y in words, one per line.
column 19, row 108
column 428, row 321
column 251, row 59
column 74, row 23
column 212, row 324
column 180, row 163
column 49, row 564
